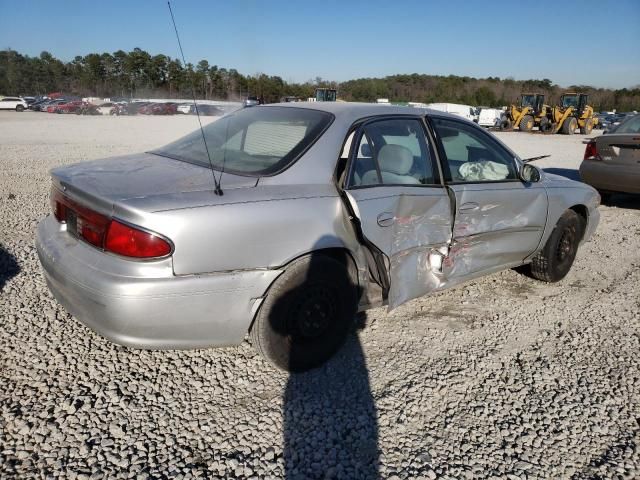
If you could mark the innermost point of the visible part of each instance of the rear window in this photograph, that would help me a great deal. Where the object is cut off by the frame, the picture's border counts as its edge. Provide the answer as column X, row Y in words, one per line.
column 253, row 141
column 632, row 125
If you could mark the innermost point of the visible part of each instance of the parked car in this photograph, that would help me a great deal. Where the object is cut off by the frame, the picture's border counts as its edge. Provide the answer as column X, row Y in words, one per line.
column 489, row 117
column 612, row 161
column 203, row 109
column 53, row 105
column 251, row 102
column 184, row 108
column 107, row 108
column 323, row 210
column 166, row 108
column 134, row 107
column 40, row 105
column 13, row 103
column 73, row 106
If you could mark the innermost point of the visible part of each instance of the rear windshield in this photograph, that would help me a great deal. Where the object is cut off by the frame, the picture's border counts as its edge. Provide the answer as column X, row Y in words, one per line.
column 632, row 125
column 253, row 141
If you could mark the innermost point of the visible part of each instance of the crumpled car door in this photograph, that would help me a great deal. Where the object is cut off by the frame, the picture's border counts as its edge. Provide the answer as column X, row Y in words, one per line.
column 412, row 227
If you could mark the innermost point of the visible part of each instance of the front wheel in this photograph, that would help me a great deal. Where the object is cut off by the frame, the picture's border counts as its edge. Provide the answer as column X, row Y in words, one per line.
column 19, row 108
column 545, row 125
column 555, row 259
column 569, row 126
column 505, row 124
column 306, row 315
column 526, row 124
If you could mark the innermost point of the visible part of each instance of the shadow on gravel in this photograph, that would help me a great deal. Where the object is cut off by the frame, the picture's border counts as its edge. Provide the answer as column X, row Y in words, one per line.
column 330, row 423
column 329, row 415
column 569, row 173
column 622, row 200
column 8, row 267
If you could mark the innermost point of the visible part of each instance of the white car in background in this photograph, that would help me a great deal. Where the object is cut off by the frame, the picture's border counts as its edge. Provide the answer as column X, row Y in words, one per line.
column 13, row 103
column 108, row 108
column 464, row 111
column 184, row 108
column 489, row 117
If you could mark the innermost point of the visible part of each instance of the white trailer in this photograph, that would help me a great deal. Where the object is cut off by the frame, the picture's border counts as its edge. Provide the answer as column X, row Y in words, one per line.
column 465, row 111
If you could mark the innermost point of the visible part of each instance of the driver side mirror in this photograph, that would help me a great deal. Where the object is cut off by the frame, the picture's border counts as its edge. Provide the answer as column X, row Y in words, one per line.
column 529, row 173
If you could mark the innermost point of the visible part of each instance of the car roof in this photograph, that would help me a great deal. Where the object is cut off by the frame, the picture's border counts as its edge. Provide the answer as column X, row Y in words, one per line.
column 356, row 110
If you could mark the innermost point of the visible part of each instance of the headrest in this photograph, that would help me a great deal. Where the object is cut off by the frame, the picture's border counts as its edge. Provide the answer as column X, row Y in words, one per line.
column 395, row 159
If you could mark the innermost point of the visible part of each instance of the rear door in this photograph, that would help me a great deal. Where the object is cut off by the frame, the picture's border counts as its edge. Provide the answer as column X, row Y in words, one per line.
column 499, row 220
column 404, row 212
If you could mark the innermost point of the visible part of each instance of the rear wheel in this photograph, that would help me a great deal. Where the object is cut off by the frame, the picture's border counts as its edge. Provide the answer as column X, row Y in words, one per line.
column 526, row 124
column 588, row 127
column 306, row 315
column 554, row 261
column 19, row 108
column 569, row 126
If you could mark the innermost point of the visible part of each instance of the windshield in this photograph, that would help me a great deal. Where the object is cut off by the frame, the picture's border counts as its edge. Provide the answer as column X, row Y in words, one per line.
column 569, row 101
column 253, row 141
column 528, row 100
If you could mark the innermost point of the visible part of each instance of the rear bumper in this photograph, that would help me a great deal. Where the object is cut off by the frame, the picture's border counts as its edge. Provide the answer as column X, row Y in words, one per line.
column 142, row 304
column 613, row 178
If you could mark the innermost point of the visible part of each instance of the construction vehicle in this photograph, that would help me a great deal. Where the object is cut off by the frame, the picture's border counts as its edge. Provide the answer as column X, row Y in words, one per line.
column 326, row 95
column 573, row 112
column 530, row 112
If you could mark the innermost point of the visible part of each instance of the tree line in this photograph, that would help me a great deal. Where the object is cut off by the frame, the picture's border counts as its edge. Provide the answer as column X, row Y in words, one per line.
column 140, row 74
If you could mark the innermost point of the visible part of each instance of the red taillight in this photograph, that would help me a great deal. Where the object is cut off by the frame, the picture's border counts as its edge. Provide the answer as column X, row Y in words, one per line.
column 591, row 152
column 105, row 233
column 131, row 242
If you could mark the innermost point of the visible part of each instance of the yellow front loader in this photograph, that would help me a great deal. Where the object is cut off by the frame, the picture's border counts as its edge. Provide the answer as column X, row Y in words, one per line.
column 530, row 112
column 573, row 112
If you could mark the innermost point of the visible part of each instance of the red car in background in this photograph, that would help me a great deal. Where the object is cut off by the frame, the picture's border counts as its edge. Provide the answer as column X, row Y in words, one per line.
column 51, row 106
column 69, row 107
column 158, row 109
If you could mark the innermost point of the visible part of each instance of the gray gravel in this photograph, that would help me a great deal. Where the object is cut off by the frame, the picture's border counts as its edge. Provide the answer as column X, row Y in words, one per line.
column 504, row 377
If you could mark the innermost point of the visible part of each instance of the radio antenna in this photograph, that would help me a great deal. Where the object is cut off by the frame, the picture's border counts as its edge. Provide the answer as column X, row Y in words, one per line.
column 216, row 182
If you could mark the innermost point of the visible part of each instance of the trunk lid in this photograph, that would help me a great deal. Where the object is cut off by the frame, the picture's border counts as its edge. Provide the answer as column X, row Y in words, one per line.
column 620, row 149
column 142, row 180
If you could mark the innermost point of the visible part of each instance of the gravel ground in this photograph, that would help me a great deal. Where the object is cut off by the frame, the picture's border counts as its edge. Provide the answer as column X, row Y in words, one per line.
column 504, row 377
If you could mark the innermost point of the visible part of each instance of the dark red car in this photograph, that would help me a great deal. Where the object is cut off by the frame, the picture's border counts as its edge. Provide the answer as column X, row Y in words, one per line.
column 158, row 109
column 69, row 107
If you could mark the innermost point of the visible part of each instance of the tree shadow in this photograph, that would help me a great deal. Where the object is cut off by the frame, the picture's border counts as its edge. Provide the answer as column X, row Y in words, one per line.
column 9, row 267
column 329, row 415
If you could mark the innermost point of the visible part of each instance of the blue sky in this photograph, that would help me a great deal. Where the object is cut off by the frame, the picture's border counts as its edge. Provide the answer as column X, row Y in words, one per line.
column 570, row 41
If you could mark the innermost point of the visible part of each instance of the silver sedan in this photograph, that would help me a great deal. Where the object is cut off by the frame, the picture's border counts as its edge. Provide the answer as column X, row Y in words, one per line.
column 284, row 221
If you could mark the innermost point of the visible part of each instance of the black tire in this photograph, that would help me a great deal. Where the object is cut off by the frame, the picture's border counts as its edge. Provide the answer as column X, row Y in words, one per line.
column 545, row 125
column 569, row 126
column 19, row 108
column 526, row 124
column 505, row 124
column 588, row 127
column 307, row 314
column 554, row 261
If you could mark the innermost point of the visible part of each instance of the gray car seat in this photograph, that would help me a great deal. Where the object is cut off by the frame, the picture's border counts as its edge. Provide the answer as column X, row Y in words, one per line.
column 395, row 163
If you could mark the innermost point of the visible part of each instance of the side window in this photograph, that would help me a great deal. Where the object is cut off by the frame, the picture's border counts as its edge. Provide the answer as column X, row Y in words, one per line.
column 472, row 156
column 392, row 152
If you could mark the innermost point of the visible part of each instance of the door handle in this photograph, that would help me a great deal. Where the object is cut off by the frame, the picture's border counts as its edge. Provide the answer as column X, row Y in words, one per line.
column 386, row 219
column 468, row 207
